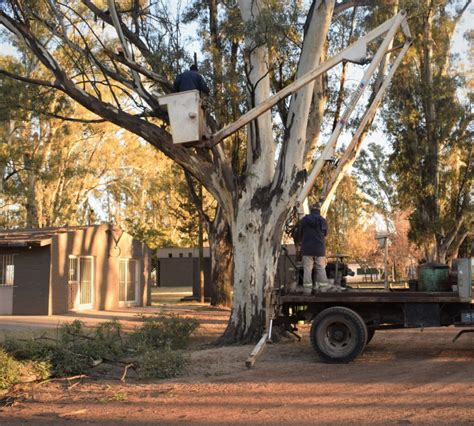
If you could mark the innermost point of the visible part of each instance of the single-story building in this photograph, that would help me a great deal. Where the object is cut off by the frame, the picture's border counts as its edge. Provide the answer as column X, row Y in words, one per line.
column 55, row 270
column 179, row 267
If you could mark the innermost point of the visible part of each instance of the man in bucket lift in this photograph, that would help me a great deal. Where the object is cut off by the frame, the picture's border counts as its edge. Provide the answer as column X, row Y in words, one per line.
column 191, row 80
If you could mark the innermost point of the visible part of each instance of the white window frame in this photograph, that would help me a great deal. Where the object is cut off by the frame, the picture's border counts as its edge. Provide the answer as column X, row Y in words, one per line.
column 77, row 302
column 123, row 303
column 7, row 279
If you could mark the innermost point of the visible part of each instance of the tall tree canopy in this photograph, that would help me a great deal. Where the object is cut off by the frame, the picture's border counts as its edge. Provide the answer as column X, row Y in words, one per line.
column 429, row 123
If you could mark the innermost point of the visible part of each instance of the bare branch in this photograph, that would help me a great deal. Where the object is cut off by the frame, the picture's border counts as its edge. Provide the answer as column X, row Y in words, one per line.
column 347, row 4
column 64, row 118
column 198, row 165
column 146, row 72
column 35, row 81
column 131, row 36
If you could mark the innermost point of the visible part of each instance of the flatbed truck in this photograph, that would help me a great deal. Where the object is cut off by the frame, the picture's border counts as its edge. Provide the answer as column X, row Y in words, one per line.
column 343, row 323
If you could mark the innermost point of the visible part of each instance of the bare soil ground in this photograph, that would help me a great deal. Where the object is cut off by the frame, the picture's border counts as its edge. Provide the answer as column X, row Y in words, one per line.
column 403, row 377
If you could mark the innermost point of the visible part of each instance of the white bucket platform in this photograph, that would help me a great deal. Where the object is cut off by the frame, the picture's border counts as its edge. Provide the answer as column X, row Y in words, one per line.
column 186, row 116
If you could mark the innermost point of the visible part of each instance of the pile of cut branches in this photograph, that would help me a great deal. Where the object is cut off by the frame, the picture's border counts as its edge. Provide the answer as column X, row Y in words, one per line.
column 152, row 350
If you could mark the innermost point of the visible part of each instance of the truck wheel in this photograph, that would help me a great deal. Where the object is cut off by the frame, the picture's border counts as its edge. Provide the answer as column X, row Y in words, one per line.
column 338, row 335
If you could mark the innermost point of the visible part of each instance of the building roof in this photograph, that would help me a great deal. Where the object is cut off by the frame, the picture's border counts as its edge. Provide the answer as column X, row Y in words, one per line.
column 32, row 237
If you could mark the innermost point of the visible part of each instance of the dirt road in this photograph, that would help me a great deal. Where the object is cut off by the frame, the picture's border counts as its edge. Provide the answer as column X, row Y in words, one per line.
column 403, row 377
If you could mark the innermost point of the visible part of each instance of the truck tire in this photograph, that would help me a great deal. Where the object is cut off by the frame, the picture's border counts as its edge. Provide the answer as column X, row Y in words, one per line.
column 338, row 335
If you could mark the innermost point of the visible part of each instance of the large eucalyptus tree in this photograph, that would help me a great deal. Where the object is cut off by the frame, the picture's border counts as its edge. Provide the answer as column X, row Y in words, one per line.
column 107, row 46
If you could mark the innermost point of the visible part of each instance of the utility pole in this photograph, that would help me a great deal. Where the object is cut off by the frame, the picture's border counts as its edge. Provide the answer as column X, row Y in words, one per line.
column 385, row 264
column 383, row 242
column 201, row 249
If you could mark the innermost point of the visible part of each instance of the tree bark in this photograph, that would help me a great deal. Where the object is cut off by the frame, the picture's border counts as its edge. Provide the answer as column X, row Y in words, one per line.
column 253, row 275
column 220, row 244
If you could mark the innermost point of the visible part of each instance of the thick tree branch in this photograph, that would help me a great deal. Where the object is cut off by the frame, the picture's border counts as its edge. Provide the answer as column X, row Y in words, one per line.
column 201, row 169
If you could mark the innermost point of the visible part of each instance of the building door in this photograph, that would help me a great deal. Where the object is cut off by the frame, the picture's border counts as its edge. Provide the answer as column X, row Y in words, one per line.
column 127, row 282
column 81, row 280
column 7, row 272
column 85, row 283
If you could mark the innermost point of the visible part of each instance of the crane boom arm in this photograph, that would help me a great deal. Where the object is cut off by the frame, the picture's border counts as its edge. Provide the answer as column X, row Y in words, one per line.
column 377, row 59
column 354, row 53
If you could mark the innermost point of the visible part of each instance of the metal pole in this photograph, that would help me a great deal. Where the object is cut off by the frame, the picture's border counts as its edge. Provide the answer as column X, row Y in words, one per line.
column 369, row 113
column 385, row 261
column 201, row 250
column 330, row 145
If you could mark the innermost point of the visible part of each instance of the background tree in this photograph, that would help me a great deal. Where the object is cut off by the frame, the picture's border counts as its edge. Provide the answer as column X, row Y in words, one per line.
column 428, row 124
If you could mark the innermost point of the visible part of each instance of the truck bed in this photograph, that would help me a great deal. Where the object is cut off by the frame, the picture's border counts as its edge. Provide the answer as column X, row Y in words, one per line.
column 373, row 296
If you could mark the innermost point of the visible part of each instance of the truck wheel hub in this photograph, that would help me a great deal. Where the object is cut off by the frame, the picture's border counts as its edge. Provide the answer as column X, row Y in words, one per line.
column 338, row 333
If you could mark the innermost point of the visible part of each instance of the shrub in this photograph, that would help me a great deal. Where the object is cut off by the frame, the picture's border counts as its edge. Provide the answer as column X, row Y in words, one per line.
column 75, row 349
column 32, row 349
column 163, row 364
column 9, row 370
column 41, row 370
column 78, row 348
column 160, row 331
column 13, row 371
column 108, row 339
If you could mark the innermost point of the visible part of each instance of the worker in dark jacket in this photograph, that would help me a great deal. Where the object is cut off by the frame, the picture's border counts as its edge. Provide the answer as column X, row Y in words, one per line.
column 191, row 80
column 313, row 229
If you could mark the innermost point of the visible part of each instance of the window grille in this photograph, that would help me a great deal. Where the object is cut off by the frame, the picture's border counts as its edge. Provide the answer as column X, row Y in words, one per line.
column 7, row 269
column 127, row 280
column 73, row 269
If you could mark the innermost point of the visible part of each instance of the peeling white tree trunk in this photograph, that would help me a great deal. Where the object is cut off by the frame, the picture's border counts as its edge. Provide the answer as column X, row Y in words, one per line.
column 270, row 187
column 261, row 145
column 255, row 265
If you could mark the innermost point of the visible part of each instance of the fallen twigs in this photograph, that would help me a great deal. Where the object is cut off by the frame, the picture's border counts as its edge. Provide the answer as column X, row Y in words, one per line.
column 125, row 371
column 62, row 379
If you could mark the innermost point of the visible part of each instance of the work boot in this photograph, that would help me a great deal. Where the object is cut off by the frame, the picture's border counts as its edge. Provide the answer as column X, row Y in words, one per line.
column 325, row 287
column 307, row 288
